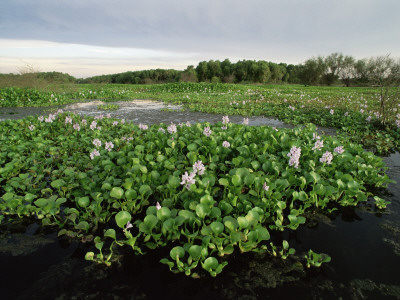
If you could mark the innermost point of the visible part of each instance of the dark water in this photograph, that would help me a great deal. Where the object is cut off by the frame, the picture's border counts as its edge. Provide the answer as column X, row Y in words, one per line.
column 364, row 245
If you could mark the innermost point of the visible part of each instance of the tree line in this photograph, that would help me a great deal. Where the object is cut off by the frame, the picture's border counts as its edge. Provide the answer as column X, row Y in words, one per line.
column 333, row 69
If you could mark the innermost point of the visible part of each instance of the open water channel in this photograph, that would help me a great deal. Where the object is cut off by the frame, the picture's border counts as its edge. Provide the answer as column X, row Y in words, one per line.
column 364, row 244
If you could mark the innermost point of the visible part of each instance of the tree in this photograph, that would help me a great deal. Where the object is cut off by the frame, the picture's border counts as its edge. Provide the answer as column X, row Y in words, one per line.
column 311, row 71
column 347, row 70
column 201, row 71
column 384, row 72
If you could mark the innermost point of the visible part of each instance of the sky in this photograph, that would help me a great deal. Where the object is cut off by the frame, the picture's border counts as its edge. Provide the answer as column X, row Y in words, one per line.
column 93, row 37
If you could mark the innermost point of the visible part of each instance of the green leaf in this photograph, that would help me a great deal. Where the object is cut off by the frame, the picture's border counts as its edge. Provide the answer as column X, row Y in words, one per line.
column 110, row 233
column 150, row 221
column 41, row 202
column 117, row 192
column 217, row 227
column 84, row 201
column 223, row 181
column 236, row 180
column 210, row 264
column 164, row 213
column 57, row 184
column 177, row 252
column 122, row 218
column 174, row 181
column 195, row 252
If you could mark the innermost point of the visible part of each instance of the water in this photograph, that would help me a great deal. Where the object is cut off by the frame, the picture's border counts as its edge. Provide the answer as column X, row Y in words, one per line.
column 364, row 245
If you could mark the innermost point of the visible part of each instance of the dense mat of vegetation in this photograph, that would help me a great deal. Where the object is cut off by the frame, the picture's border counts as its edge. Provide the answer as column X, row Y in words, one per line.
column 364, row 115
column 199, row 191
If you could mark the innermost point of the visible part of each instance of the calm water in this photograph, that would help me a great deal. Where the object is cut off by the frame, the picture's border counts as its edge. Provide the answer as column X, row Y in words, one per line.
column 364, row 245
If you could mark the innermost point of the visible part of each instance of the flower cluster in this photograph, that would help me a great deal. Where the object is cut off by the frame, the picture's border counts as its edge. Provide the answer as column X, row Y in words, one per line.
column 115, row 123
column 93, row 125
column 68, row 119
column 207, row 131
column 339, row 149
column 97, row 142
column 76, row 127
column 294, row 155
column 198, row 167
column 161, row 130
column 225, row 120
column 331, row 111
column 245, row 121
column 172, row 128
column 326, row 158
column 226, row 144
column 109, row 146
column 31, row 127
column 143, row 126
column 94, row 153
column 188, row 180
column 318, row 145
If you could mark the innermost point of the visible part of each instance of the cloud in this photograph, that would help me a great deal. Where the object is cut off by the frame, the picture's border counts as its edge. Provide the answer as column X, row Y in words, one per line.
column 282, row 31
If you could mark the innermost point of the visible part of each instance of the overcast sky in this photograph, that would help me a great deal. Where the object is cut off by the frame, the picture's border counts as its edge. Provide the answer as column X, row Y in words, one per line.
column 94, row 37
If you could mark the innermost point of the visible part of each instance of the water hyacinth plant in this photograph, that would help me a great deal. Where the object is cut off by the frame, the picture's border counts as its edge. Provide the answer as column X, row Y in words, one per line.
column 200, row 192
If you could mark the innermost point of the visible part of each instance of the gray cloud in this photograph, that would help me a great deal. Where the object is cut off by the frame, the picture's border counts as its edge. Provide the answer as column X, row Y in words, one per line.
column 288, row 31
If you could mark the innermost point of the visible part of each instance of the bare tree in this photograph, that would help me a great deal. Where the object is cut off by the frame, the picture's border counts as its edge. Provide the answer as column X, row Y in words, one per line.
column 384, row 72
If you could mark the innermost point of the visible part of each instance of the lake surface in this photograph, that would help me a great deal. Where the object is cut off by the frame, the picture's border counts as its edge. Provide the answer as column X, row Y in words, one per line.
column 364, row 245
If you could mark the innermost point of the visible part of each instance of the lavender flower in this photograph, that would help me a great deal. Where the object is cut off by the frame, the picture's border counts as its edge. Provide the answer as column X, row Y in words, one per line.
column 143, row 126
column 115, row 123
column 294, row 155
column 84, row 122
column 41, row 118
column 188, row 180
column 77, row 127
column 339, row 149
column 97, row 142
column 207, row 131
column 31, row 127
column 245, row 121
column 331, row 111
column 94, row 153
column 128, row 226
column 315, row 136
column 318, row 145
column 265, row 187
column 158, row 206
column 109, row 146
column 161, row 129
column 188, row 124
column 326, row 158
column 226, row 144
column 172, row 128
column 93, row 125
column 68, row 119
column 225, row 120
column 198, row 167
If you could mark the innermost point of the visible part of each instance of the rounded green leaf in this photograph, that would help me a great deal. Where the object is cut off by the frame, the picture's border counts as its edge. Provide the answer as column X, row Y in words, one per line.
column 236, row 180
column 117, row 192
column 57, row 184
column 211, row 263
column 217, row 227
column 195, row 252
column 202, row 210
column 130, row 194
column 176, row 252
column 84, row 201
column 164, row 213
column 110, row 233
column 145, row 190
column 174, row 181
column 243, row 222
column 122, row 218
